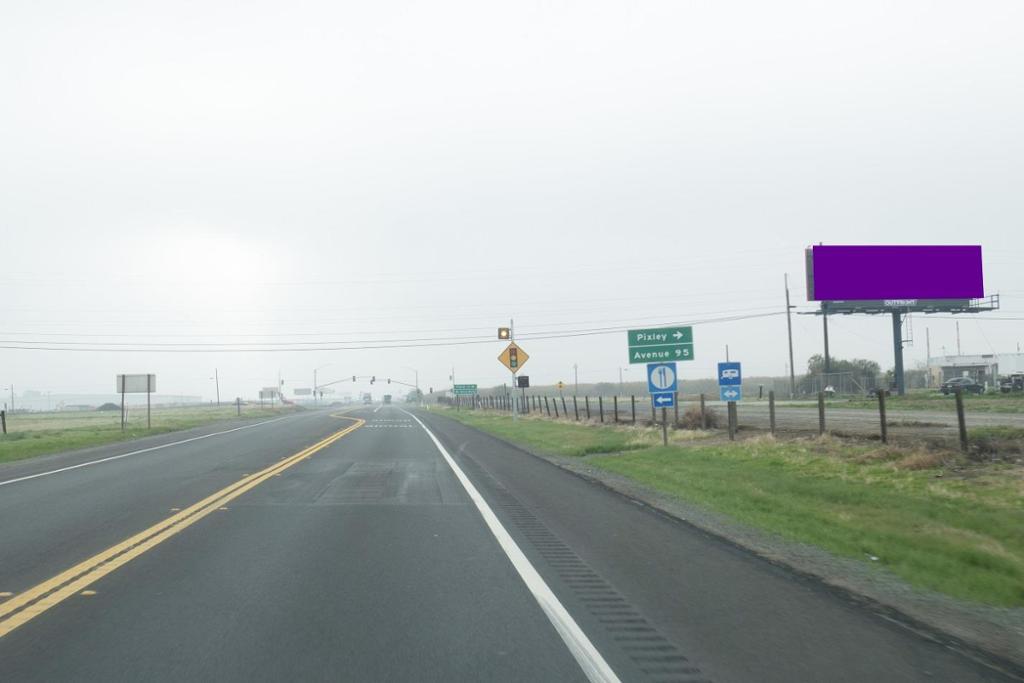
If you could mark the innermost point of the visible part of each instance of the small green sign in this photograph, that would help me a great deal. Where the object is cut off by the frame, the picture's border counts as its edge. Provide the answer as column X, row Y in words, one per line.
column 465, row 389
column 656, row 344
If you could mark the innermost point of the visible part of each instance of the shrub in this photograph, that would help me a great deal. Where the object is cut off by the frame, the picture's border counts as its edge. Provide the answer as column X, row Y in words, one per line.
column 691, row 419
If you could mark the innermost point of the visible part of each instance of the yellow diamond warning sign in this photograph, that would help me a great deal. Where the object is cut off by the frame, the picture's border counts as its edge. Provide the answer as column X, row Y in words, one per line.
column 513, row 357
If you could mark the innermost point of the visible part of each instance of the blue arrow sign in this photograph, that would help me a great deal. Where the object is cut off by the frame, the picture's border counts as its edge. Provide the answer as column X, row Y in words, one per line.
column 664, row 400
column 729, row 374
column 730, row 393
column 661, row 377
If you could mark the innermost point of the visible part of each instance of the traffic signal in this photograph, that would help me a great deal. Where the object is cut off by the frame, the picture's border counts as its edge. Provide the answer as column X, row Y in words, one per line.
column 353, row 378
column 389, row 380
column 431, row 389
column 504, row 333
column 373, row 379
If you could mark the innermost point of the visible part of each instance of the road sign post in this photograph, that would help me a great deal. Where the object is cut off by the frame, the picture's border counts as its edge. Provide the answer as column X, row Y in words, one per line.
column 662, row 384
column 730, row 390
column 136, row 384
column 664, row 427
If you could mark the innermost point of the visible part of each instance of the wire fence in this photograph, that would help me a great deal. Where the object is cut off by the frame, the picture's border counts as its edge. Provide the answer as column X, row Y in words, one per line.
column 755, row 416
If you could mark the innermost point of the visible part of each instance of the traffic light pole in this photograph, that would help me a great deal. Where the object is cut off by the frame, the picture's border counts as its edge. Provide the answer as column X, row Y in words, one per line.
column 515, row 373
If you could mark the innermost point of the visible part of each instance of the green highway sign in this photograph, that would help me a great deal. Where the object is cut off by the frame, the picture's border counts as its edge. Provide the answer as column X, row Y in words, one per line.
column 465, row 389
column 658, row 344
column 664, row 352
column 657, row 336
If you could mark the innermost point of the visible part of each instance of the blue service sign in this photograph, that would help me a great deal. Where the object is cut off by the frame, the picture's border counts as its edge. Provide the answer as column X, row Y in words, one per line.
column 729, row 374
column 730, row 393
column 661, row 377
column 664, row 400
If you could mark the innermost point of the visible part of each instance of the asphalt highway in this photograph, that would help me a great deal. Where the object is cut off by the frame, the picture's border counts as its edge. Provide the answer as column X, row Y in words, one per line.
column 383, row 545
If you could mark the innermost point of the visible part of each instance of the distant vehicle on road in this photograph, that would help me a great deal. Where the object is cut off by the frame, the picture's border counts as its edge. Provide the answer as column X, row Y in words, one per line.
column 965, row 384
column 367, row 399
column 1014, row 382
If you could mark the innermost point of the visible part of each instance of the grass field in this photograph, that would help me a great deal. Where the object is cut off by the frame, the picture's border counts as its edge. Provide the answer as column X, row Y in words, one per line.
column 940, row 523
column 32, row 434
column 930, row 400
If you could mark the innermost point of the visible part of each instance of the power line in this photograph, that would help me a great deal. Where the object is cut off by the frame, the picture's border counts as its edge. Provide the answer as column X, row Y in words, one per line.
column 363, row 346
column 643, row 320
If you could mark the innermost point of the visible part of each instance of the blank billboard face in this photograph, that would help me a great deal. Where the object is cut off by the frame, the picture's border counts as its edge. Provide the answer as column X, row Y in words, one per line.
column 844, row 273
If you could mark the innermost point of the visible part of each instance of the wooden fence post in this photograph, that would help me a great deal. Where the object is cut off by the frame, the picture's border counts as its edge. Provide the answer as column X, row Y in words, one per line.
column 821, row 413
column 961, row 419
column 881, row 416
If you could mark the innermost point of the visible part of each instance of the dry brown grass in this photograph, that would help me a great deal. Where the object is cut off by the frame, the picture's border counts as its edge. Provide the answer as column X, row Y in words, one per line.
column 691, row 419
column 920, row 460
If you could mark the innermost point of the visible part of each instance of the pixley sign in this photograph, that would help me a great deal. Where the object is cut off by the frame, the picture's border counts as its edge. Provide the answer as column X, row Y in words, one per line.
column 660, row 344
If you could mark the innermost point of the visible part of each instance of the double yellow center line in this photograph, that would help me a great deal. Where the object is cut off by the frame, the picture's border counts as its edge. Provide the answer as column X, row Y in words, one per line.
column 25, row 606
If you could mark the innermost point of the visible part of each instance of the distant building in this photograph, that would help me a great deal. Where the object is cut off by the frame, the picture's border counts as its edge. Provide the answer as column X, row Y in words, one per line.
column 984, row 368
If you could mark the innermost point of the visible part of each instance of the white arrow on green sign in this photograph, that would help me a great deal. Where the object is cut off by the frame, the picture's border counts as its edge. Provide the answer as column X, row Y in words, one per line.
column 660, row 344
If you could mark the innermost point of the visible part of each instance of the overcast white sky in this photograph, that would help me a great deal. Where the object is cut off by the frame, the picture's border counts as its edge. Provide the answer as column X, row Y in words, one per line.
column 320, row 171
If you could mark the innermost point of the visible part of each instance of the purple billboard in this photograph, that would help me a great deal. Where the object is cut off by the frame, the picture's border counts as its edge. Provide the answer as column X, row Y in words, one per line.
column 844, row 273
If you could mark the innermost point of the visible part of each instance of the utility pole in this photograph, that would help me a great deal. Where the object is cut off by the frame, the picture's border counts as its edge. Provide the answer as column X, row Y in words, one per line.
column 958, row 337
column 12, row 398
column 515, row 373
column 576, row 379
column 216, row 379
column 789, row 328
column 726, row 353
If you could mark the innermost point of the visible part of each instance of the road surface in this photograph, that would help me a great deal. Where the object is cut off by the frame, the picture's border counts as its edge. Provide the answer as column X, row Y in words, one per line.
column 378, row 544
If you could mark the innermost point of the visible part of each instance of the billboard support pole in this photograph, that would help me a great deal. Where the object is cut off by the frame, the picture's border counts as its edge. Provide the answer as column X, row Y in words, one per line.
column 897, row 347
column 828, row 357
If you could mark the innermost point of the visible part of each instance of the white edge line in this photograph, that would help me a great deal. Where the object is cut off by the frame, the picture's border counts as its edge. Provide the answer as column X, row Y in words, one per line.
column 590, row 660
column 138, row 452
